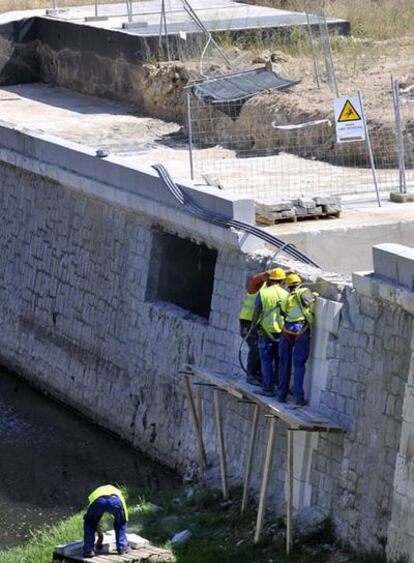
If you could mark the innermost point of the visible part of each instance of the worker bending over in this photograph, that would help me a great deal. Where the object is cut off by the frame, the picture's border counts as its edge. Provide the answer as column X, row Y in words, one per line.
column 268, row 316
column 248, row 331
column 298, row 314
column 105, row 500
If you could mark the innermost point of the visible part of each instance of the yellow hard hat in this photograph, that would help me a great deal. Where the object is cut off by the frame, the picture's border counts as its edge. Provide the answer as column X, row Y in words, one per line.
column 293, row 279
column 277, row 274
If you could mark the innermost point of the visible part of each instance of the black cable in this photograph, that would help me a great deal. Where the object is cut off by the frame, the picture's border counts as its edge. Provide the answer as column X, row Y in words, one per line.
column 225, row 222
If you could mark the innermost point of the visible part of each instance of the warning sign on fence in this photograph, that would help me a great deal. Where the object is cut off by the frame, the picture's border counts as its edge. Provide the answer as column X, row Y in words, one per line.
column 349, row 120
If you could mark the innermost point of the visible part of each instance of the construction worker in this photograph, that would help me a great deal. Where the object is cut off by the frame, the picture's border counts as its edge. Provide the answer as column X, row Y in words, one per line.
column 295, row 339
column 105, row 500
column 248, row 331
column 268, row 315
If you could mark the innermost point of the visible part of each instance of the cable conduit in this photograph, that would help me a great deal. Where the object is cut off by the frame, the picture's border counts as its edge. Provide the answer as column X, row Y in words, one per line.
column 222, row 221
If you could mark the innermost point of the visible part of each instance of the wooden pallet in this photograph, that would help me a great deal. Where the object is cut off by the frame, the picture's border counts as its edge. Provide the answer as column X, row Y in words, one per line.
column 269, row 220
column 147, row 554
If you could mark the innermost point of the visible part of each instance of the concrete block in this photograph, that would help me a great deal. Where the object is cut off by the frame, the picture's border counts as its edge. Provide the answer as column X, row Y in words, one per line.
column 395, row 262
column 397, row 197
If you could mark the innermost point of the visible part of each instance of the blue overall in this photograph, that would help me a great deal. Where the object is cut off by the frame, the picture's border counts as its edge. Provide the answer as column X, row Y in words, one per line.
column 269, row 359
column 298, row 346
column 96, row 510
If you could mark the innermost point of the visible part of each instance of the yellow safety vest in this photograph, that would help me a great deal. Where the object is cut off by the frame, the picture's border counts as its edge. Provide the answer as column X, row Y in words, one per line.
column 271, row 318
column 294, row 309
column 108, row 491
column 247, row 310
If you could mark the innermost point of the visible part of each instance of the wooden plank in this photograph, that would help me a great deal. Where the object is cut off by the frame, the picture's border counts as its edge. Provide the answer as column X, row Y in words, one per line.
column 220, row 443
column 265, row 480
column 289, row 476
column 252, row 444
column 148, row 554
column 295, row 417
column 199, row 432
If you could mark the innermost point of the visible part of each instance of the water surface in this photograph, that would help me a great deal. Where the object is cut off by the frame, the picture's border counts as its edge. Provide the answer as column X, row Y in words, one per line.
column 50, row 459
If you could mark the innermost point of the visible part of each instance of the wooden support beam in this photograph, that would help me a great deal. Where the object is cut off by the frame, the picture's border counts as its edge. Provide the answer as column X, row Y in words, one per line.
column 199, row 431
column 289, row 528
column 252, row 444
column 265, row 479
column 220, row 443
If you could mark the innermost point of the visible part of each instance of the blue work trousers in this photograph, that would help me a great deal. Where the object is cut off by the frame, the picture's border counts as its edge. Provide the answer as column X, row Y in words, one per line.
column 298, row 347
column 269, row 360
column 111, row 505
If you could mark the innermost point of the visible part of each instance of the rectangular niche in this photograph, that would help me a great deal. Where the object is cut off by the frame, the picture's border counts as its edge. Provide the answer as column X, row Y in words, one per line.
column 181, row 272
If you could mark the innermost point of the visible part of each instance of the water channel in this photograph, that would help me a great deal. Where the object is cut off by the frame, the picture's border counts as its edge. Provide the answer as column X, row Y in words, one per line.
column 50, row 459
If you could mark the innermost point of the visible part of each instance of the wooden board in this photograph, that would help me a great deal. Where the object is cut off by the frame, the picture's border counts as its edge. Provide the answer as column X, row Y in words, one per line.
column 147, row 554
column 271, row 218
column 300, row 418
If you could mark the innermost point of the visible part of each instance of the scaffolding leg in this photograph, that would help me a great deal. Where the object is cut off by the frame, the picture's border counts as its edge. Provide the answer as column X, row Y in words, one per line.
column 289, row 528
column 265, row 479
column 220, row 441
column 199, row 432
column 252, row 444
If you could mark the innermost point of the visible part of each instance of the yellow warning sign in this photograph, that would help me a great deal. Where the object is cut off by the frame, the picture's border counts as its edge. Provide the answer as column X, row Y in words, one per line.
column 348, row 113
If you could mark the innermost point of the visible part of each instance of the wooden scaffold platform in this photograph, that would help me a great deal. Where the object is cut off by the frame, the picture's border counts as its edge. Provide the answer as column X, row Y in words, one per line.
column 296, row 419
column 140, row 551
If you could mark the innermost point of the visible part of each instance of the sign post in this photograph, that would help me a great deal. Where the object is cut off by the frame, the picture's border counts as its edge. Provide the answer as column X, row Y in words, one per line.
column 351, row 126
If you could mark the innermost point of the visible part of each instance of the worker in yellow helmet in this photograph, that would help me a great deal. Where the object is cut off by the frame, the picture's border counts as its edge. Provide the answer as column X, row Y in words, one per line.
column 249, row 332
column 295, row 338
column 268, row 316
column 106, row 499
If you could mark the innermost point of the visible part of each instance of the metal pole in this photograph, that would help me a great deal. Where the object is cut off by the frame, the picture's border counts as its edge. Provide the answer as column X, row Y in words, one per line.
column 96, row 8
column 167, row 41
column 252, row 444
column 312, row 43
column 54, row 4
column 190, row 135
column 265, row 480
column 395, row 88
column 220, row 442
column 289, row 535
column 328, row 55
column 371, row 156
column 199, row 432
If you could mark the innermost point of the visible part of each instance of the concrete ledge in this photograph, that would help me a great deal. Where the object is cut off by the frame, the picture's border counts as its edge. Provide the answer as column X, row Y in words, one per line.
column 369, row 285
column 394, row 262
column 136, row 187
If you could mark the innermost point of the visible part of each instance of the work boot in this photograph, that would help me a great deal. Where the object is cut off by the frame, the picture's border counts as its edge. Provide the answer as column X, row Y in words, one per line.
column 265, row 393
column 252, row 380
column 88, row 554
column 301, row 402
column 122, row 551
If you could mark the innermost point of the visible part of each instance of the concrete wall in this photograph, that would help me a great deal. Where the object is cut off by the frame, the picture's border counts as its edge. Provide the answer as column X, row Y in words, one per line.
column 349, row 249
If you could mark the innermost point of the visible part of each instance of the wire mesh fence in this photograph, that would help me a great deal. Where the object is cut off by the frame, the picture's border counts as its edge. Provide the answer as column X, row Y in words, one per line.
column 268, row 153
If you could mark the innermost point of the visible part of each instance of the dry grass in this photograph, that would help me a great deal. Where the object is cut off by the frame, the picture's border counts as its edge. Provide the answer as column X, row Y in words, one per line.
column 375, row 19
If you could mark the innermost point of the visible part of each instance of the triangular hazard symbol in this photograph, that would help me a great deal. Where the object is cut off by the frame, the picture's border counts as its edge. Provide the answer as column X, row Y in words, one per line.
column 349, row 113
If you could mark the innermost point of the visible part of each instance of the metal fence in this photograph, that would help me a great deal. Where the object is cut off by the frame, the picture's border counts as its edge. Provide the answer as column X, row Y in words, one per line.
column 275, row 150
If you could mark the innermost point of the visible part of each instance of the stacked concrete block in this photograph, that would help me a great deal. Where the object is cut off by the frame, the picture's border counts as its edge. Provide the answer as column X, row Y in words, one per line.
column 269, row 212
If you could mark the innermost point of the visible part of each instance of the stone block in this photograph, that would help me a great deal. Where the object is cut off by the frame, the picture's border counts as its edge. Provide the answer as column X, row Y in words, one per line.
column 395, row 262
column 328, row 200
column 306, row 203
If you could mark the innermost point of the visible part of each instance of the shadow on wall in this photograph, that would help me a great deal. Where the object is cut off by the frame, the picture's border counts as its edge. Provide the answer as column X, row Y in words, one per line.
column 19, row 61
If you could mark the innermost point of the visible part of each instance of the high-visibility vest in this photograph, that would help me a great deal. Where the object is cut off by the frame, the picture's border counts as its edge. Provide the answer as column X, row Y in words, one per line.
column 108, row 491
column 294, row 308
column 271, row 317
column 247, row 310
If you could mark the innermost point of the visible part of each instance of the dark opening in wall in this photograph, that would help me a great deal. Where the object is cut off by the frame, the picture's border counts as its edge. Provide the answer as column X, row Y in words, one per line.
column 181, row 272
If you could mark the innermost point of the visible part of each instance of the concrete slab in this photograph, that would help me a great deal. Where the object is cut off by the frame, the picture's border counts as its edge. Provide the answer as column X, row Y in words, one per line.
column 217, row 16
